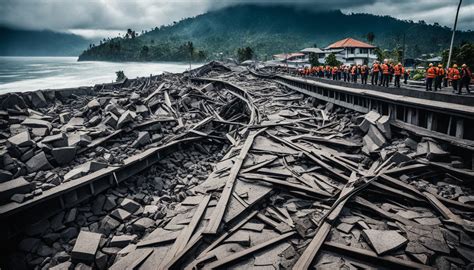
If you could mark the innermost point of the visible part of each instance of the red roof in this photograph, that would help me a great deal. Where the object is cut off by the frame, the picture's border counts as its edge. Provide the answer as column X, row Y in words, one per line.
column 349, row 43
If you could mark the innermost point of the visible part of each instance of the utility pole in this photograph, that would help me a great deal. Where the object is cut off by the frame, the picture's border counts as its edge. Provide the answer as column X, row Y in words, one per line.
column 452, row 37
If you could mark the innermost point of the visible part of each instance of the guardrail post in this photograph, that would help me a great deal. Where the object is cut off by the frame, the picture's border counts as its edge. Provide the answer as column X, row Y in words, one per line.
column 460, row 128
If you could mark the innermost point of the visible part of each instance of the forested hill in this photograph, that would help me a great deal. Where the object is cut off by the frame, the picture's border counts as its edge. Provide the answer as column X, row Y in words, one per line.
column 16, row 42
column 269, row 30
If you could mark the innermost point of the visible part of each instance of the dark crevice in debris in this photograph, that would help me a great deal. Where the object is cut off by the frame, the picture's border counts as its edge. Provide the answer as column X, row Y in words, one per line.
column 278, row 180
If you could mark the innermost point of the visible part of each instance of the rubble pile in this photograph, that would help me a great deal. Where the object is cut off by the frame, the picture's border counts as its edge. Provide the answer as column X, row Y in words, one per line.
column 95, row 232
column 299, row 184
column 48, row 139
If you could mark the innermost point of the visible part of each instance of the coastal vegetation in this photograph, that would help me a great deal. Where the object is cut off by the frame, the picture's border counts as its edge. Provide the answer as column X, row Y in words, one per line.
column 269, row 30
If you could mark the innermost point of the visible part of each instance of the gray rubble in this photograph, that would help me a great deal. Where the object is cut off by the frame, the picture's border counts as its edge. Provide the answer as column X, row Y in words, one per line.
column 277, row 180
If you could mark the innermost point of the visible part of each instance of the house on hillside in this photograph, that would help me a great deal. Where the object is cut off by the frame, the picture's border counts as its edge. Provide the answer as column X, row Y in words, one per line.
column 293, row 59
column 347, row 51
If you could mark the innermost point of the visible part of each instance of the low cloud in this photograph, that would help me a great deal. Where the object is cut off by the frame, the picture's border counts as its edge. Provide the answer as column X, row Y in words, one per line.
column 92, row 18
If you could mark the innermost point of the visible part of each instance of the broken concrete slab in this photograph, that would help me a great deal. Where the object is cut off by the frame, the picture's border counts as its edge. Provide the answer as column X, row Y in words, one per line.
column 125, row 118
column 143, row 224
column 57, row 140
column 22, row 139
column 64, row 155
column 79, row 140
column 87, row 244
column 38, row 162
column 120, row 214
column 129, row 205
column 65, row 117
column 383, row 124
column 122, row 241
column 384, row 241
column 32, row 122
column 142, row 139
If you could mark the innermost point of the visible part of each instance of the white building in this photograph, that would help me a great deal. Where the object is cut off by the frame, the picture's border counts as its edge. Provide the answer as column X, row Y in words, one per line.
column 347, row 51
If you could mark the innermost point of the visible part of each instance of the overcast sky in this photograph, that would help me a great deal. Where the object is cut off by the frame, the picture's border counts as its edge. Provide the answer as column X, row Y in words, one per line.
column 99, row 18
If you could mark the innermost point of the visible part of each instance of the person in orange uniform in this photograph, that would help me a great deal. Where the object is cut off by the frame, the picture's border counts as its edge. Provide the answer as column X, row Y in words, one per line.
column 454, row 77
column 385, row 74
column 430, row 76
column 354, row 73
column 439, row 77
column 364, row 74
column 397, row 71
column 466, row 75
column 334, row 73
column 347, row 77
column 375, row 73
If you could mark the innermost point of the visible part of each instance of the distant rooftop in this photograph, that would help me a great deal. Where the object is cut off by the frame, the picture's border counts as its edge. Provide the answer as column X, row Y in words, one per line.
column 350, row 43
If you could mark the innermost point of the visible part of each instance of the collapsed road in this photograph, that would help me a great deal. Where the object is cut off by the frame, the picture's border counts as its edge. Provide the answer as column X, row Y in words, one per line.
column 221, row 168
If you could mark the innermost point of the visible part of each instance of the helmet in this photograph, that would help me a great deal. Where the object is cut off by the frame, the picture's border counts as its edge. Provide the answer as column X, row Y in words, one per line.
column 399, row 64
column 464, row 65
column 431, row 64
column 440, row 66
column 455, row 66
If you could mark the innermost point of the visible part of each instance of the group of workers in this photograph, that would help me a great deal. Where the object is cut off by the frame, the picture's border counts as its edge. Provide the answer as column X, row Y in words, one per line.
column 458, row 78
column 383, row 74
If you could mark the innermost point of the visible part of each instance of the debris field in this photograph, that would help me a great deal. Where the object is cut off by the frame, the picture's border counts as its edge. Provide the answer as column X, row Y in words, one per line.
column 271, row 179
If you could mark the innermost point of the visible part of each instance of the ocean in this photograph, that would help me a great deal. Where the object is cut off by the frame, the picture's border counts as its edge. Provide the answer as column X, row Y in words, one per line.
column 19, row 74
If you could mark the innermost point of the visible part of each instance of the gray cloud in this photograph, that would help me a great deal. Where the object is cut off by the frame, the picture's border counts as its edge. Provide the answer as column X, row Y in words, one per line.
column 91, row 17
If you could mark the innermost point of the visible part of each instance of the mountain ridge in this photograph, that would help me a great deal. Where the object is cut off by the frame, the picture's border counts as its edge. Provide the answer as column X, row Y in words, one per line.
column 19, row 42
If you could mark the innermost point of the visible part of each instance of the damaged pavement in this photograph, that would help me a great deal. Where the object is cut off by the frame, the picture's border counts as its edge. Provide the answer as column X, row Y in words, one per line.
column 269, row 179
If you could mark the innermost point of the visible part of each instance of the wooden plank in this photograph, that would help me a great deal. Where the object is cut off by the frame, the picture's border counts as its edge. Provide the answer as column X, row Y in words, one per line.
column 383, row 261
column 304, row 262
column 246, row 252
column 186, row 233
column 157, row 240
column 467, row 174
column 282, row 183
column 221, row 207
column 226, row 234
column 450, row 216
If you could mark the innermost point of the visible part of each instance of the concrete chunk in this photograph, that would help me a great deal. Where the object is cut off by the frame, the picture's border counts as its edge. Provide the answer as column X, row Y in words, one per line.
column 129, row 205
column 79, row 140
column 142, row 139
column 38, row 162
column 65, row 117
column 376, row 136
column 120, row 214
column 22, row 139
column 86, row 246
column 64, row 155
column 383, row 124
column 93, row 104
column 122, row 241
column 384, row 241
column 57, row 140
column 17, row 185
column 126, row 117
column 32, row 122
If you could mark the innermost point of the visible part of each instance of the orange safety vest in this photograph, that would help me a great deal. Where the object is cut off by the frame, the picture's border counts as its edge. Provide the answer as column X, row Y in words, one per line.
column 334, row 70
column 353, row 71
column 440, row 72
column 385, row 69
column 454, row 74
column 431, row 73
column 376, row 67
column 397, row 70
column 403, row 70
column 363, row 70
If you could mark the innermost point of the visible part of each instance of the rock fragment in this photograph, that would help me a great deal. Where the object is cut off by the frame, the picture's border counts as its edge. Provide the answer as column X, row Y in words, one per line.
column 86, row 246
